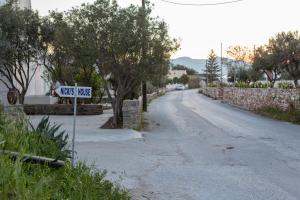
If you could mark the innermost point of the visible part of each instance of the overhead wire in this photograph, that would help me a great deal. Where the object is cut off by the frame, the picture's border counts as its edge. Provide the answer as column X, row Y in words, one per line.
column 201, row 4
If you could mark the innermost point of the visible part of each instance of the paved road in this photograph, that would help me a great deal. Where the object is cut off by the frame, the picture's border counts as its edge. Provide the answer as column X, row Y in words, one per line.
column 201, row 149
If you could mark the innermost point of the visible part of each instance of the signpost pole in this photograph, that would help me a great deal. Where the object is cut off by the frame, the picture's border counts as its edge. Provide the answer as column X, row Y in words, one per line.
column 74, row 125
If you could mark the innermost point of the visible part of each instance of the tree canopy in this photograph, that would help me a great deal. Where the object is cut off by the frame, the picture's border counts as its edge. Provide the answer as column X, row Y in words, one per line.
column 21, row 44
column 106, row 39
column 212, row 69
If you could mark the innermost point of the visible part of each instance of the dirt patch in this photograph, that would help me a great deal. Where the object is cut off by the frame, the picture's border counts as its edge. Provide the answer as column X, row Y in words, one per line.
column 229, row 148
column 109, row 125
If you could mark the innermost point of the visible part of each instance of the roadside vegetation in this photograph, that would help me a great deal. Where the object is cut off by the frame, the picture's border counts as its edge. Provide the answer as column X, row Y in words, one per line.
column 24, row 180
column 110, row 48
column 290, row 115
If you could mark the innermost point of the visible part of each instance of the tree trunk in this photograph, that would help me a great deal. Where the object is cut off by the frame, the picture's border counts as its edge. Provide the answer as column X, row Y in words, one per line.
column 272, row 83
column 117, row 110
column 21, row 97
column 144, row 91
column 296, row 83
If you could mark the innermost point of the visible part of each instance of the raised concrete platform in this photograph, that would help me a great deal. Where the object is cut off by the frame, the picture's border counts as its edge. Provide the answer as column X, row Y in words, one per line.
column 40, row 100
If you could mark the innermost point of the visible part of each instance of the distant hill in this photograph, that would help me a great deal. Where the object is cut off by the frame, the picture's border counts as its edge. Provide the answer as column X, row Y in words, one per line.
column 196, row 64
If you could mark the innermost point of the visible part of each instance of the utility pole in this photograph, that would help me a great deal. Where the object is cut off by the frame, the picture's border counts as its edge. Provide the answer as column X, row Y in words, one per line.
column 221, row 63
column 206, row 73
column 144, row 52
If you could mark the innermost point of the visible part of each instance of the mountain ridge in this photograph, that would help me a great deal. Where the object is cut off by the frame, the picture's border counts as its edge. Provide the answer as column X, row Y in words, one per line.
column 196, row 64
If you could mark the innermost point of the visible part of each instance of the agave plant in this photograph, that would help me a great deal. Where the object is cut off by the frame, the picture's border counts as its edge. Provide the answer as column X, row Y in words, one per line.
column 52, row 132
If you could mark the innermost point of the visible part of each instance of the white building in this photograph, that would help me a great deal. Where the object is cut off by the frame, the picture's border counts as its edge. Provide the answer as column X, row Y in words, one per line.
column 21, row 3
column 176, row 73
column 37, row 86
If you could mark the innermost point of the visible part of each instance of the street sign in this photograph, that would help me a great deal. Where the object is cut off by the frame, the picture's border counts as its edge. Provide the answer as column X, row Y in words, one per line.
column 74, row 92
column 70, row 91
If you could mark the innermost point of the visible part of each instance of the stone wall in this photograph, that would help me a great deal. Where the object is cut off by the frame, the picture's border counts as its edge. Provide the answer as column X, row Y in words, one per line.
column 132, row 113
column 213, row 92
column 255, row 98
column 132, row 110
column 155, row 95
column 62, row 109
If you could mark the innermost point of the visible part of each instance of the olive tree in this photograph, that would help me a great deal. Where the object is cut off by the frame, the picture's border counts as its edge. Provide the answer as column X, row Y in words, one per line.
column 21, row 47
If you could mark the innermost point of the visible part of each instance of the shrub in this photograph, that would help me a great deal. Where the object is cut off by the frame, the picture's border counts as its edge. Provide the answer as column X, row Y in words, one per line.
column 30, row 181
column 46, row 132
column 291, row 115
column 26, row 181
column 286, row 85
column 242, row 84
column 212, row 85
column 259, row 84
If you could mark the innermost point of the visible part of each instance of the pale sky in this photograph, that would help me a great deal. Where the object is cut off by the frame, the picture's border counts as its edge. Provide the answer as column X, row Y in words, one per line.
column 247, row 23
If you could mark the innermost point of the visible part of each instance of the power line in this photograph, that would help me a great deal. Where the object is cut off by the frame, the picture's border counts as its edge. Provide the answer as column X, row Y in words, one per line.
column 202, row 4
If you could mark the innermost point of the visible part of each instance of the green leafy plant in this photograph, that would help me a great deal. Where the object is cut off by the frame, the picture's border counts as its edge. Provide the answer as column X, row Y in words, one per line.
column 286, row 85
column 212, row 85
column 52, row 132
column 242, row 84
column 291, row 115
column 26, row 181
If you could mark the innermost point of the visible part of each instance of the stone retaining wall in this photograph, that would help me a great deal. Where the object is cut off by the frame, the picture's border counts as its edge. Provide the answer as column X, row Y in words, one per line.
column 132, row 110
column 132, row 113
column 62, row 109
column 213, row 92
column 255, row 98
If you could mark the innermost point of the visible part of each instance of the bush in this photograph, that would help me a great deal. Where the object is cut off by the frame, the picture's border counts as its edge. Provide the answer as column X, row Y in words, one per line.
column 47, row 132
column 286, row 85
column 26, row 181
column 242, row 84
column 257, row 84
column 291, row 115
column 31, row 181
column 260, row 85
column 212, row 85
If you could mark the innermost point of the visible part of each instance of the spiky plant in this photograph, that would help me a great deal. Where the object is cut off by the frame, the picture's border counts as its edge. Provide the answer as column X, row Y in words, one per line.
column 52, row 132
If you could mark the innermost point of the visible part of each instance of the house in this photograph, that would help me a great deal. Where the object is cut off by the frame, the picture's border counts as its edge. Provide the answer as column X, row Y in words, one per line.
column 176, row 73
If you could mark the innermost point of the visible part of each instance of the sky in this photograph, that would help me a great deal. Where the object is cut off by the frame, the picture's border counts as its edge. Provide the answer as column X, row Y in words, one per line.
column 200, row 29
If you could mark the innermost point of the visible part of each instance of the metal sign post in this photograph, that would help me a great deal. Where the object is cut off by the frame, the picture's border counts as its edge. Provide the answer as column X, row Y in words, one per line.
column 74, row 124
column 74, row 92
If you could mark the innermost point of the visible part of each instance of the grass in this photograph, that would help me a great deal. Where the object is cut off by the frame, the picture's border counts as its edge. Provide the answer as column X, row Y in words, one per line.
column 291, row 115
column 19, row 180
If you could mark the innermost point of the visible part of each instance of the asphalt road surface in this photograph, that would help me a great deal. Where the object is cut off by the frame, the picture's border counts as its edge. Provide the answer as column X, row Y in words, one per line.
column 200, row 149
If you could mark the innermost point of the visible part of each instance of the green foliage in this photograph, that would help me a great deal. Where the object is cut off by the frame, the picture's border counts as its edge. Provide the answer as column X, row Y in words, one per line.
column 285, row 85
column 212, row 69
column 22, row 47
column 89, row 77
column 290, row 115
column 176, row 80
column 30, row 181
column 280, row 55
column 194, row 82
column 242, row 84
column 260, row 85
column 213, row 85
column 47, row 132
column 184, row 79
column 18, row 137
column 19, row 180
